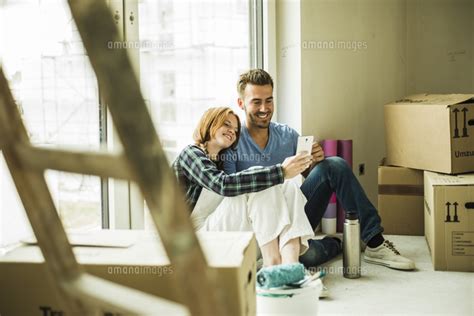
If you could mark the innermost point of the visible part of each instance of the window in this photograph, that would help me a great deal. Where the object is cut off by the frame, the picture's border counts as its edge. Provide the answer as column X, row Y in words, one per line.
column 56, row 90
column 195, row 52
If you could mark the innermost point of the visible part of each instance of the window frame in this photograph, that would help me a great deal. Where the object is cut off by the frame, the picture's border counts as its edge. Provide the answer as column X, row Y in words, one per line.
column 256, row 27
column 121, row 200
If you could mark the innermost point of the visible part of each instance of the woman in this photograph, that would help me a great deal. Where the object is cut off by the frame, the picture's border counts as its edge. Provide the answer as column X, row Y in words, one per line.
column 257, row 199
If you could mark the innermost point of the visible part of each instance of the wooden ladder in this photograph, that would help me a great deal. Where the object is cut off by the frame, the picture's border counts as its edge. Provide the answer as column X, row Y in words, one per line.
column 142, row 160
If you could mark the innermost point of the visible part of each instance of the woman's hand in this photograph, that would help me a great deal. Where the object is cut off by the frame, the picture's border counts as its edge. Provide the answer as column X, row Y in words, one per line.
column 294, row 165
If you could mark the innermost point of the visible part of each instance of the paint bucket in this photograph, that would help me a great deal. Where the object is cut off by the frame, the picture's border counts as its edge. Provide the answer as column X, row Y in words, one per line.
column 289, row 301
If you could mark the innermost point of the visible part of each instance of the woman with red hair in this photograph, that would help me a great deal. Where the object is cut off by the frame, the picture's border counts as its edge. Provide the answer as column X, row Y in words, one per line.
column 260, row 199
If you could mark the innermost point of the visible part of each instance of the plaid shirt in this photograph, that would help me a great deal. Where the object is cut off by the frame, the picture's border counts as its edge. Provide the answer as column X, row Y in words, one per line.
column 195, row 171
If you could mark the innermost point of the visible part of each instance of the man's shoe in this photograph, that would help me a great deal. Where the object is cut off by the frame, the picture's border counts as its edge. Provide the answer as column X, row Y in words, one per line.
column 387, row 255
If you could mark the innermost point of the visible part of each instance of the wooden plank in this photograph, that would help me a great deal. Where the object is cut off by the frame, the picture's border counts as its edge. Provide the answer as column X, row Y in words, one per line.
column 36, row 198
column 120, row 299
column 199, row 286
column 93, row 163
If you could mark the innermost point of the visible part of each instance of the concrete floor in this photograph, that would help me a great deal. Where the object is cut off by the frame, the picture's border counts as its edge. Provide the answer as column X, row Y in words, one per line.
column 383, row 291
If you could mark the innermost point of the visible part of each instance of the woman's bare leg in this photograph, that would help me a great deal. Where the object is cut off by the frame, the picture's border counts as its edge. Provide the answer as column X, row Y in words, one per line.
column 290, row 251
column 271, row 253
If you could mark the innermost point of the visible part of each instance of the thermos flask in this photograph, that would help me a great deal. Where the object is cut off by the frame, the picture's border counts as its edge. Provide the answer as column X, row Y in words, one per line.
column 351, row 245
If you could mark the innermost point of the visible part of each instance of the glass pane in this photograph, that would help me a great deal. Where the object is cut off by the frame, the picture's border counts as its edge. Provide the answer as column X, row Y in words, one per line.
column 190, row 57
column 56, row 90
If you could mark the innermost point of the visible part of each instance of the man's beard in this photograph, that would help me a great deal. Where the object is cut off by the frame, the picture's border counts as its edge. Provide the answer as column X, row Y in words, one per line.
column 258, row 123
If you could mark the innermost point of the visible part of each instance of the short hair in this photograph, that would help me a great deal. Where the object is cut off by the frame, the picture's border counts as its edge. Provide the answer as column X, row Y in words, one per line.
column 257, row 77
column 210, row 122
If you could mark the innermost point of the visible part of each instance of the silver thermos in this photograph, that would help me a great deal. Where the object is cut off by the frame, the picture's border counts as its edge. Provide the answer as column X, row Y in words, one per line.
column 351, row 244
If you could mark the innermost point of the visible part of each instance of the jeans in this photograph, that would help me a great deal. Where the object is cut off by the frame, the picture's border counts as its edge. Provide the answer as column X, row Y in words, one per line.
column 333, row 174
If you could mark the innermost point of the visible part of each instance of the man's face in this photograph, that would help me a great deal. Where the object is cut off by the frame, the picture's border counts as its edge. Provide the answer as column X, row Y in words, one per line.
column 257, row 103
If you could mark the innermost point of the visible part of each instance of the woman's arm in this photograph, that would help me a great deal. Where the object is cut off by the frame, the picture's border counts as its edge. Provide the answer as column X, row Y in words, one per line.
column 198, row 168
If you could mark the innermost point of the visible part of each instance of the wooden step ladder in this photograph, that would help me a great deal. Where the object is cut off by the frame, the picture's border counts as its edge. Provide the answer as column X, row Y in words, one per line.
column 142, row 160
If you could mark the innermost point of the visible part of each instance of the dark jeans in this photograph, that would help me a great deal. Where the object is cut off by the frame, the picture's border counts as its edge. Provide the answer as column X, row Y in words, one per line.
column 333, row 174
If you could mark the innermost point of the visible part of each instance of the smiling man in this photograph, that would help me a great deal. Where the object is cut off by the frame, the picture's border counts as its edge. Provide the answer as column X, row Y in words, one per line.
column 266, row 143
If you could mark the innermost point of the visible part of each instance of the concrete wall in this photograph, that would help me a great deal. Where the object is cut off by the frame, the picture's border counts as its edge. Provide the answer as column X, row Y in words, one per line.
column 288, row 83
column 356, row 56
column 440, row 46
column 345, row 87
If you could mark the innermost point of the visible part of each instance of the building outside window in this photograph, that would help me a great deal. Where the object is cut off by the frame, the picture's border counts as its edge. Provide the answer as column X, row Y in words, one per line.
column 56, row 90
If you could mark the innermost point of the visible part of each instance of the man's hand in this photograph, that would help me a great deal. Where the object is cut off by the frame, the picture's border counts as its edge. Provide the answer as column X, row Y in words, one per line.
column 317, row 155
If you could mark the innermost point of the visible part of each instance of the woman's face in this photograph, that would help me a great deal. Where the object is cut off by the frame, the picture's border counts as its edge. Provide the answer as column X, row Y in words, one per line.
column 226, row 134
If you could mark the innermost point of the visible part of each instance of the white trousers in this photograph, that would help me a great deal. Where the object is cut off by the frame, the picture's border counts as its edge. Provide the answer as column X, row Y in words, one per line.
column 275, row 212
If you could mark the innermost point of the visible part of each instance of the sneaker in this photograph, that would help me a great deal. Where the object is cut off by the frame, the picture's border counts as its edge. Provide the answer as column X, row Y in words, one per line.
column 324, row 292
column 387, row 255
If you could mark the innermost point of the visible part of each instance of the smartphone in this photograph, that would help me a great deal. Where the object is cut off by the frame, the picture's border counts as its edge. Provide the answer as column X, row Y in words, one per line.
column 305, row 143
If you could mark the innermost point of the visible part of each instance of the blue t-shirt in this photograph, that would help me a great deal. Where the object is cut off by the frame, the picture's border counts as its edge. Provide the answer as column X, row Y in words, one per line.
column 281, row 144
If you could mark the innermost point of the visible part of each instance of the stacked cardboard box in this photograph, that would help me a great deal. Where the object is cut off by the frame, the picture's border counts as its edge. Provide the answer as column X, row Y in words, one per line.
column 449, row 220
column 400, row 200
column 435, row 133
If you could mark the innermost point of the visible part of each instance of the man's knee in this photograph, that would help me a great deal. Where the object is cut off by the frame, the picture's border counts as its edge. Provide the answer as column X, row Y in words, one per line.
column 333, row 164
column 337, row 162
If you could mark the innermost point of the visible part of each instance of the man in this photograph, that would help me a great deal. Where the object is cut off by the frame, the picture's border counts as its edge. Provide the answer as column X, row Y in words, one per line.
column 266, row 143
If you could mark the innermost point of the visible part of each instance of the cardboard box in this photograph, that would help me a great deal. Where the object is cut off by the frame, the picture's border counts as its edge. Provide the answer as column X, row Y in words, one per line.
column 400, row 200
column 27, row 289
column 449, row 220
column 431, row 132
